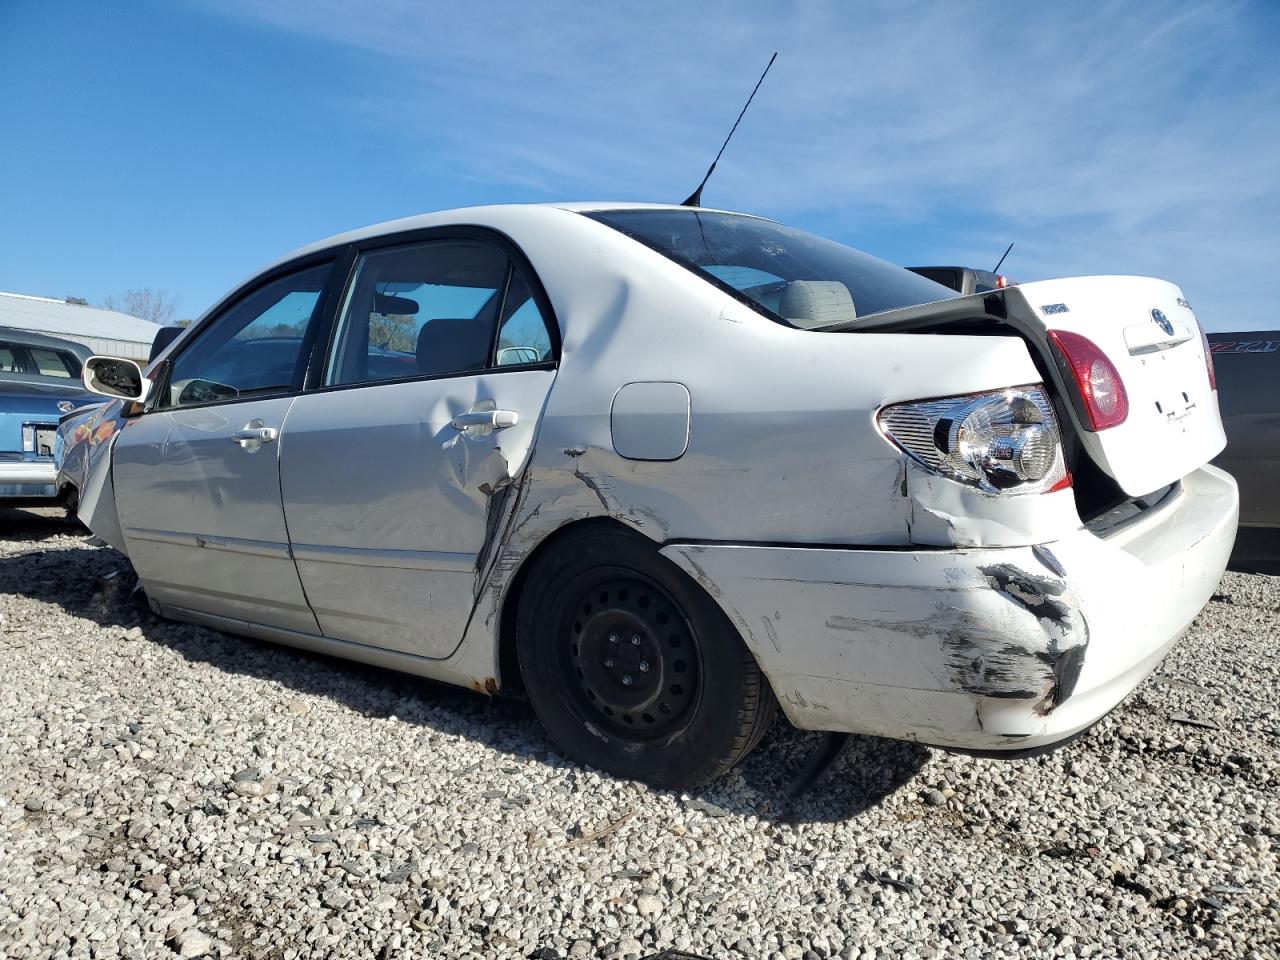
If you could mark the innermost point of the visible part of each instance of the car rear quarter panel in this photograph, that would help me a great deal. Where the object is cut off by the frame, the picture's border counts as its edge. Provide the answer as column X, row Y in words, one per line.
column 783, row 444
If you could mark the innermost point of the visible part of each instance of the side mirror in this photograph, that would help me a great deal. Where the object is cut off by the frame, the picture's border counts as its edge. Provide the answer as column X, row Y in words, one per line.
column 116, row 377
column 164, row 337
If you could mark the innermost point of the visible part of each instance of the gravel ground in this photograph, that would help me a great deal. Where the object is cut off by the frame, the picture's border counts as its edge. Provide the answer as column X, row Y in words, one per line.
column 170, row 790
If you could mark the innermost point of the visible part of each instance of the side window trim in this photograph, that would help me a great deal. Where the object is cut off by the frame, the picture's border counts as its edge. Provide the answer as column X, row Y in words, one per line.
column 345, row 267
column 332, row 257
column 492, row 362
column 23, row 359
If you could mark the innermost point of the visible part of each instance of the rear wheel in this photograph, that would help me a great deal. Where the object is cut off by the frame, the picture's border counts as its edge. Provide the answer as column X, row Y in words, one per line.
column 631, row 666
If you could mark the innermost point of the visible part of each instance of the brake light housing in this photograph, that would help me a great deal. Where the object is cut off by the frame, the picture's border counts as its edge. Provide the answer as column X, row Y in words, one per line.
column 1003, row 442
column 1098, row 381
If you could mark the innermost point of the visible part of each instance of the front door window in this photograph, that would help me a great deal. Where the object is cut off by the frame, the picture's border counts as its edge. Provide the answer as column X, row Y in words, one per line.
column 252, row 350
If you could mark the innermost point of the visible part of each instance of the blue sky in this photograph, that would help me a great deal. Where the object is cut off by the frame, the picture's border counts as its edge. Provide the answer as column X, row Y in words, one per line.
column 184, row 144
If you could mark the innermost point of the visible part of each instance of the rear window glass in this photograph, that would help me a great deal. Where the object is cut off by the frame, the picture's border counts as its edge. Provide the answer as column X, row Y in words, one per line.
column 786, row 274
column 54, row 363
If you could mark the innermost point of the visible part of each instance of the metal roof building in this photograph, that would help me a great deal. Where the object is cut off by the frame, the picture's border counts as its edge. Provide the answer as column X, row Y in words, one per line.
column 102, row 331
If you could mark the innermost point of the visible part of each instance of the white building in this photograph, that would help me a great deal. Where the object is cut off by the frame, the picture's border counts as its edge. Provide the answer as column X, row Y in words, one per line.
column 102, row 331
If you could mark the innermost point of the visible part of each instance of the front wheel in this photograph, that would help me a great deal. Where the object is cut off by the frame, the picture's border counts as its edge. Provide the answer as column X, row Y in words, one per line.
column 631, row 667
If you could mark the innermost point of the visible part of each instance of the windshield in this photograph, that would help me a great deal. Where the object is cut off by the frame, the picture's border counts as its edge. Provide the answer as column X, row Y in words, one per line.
column 786, row 274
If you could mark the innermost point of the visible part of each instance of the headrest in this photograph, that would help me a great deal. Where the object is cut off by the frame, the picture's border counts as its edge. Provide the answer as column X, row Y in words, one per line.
column 816, row 303
column 449, row 345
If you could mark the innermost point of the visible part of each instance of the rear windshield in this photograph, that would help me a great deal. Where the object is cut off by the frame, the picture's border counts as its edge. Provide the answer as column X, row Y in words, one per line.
column 788, row 275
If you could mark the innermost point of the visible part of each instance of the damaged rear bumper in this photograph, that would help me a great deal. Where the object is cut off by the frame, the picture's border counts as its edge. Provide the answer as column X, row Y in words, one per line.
column 981, row 649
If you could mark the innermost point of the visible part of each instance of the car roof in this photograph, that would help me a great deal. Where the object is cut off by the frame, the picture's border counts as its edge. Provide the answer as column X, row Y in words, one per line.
column 29, row 339
column 491, row 215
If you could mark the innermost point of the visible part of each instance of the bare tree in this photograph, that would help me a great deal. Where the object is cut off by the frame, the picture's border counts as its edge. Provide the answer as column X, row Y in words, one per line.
column 154, row 305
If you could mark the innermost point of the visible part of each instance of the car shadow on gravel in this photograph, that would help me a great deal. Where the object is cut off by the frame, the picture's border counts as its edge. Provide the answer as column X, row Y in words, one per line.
column 96, row 583
column 37, row 524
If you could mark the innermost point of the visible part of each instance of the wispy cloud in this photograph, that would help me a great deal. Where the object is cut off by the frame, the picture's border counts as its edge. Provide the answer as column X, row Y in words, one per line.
column 1113, row 138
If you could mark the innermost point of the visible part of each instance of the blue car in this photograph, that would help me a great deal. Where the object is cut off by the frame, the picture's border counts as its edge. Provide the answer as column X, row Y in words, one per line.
column 39, row 385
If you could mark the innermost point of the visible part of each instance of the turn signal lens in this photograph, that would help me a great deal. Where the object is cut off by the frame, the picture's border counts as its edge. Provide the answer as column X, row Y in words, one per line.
column 1097, row 379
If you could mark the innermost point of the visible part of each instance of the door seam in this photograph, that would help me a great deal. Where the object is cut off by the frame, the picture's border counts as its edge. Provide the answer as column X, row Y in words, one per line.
column 284, row 513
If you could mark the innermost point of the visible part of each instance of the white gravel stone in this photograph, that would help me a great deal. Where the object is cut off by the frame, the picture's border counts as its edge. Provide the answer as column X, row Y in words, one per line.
column 193, row 943
column 166, row 789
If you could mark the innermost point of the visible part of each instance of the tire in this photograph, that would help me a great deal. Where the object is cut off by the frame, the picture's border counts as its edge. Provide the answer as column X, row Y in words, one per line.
column 69, row 499
column 631, row 667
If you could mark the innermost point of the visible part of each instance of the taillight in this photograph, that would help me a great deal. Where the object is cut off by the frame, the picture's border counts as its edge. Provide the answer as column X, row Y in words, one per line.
column 1002, row 281
column 1002, row 442
column 1208, row 358
column 1097, row 379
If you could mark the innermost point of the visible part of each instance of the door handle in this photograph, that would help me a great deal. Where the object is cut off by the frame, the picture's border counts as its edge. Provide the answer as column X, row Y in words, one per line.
column 247, row 434
column 497, row 419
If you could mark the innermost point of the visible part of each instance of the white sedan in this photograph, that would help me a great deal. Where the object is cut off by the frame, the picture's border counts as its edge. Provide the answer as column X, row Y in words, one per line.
column 665, row 469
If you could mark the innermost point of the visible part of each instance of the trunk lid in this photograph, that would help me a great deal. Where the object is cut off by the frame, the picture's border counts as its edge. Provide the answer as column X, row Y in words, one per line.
column 1148, row 331
column 1173, row 426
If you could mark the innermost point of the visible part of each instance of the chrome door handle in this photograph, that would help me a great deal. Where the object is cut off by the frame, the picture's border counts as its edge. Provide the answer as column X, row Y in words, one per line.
column 255, row 435
column 497, row 419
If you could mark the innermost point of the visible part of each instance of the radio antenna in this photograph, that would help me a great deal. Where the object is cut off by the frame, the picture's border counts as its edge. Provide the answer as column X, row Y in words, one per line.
column 996, row 268
column 695, row 198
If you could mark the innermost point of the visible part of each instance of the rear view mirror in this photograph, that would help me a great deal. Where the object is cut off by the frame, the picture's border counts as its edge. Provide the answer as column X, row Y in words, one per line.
column 390, row 306
column 116, row 377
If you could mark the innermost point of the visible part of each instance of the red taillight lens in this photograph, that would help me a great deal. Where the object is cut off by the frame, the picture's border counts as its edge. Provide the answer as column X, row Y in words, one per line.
column 1208, row 358
column 1062, row 484
column 1002, row 282
column 1097, row 378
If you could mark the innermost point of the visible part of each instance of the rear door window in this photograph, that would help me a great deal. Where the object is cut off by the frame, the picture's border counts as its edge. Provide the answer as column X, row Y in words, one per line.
column 523, row 337
column 433, row 309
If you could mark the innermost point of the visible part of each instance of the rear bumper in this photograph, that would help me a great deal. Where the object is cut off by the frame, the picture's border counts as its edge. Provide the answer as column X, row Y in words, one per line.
column 27, row 480
column 978, row 649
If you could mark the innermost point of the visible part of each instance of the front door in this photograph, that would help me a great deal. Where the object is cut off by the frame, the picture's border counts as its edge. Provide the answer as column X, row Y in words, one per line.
column 197, row 477
column 397, row 469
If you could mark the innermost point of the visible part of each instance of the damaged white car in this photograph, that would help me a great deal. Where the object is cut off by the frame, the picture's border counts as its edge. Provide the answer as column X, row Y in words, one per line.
column 665, row 469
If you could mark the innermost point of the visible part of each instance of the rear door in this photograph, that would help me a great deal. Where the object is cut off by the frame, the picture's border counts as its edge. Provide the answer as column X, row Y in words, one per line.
column 197, row 477
column 399, row 466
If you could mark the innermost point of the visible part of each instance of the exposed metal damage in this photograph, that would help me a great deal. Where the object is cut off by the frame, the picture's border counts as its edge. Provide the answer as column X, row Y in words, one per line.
column 1056, row 607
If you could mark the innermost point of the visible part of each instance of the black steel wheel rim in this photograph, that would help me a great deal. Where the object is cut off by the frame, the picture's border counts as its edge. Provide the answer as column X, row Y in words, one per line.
column 629, row 659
